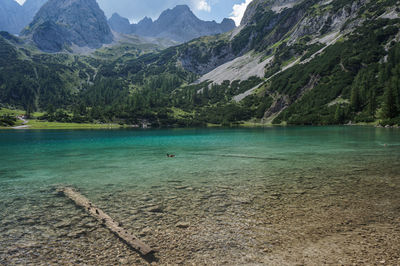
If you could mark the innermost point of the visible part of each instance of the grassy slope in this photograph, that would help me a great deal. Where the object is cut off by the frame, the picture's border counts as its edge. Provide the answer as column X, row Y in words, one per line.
column 37, row 124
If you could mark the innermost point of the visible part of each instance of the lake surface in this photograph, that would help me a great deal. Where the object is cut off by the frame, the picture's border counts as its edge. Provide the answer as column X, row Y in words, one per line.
column 274, row 195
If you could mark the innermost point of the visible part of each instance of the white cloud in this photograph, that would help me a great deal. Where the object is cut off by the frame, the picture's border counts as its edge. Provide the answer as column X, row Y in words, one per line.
column 202, row 5
column 20, row 2
column 238, row 11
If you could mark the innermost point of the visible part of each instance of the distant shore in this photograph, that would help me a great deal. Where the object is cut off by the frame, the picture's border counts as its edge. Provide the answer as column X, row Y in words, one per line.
column 24, row 123
column 37, row 125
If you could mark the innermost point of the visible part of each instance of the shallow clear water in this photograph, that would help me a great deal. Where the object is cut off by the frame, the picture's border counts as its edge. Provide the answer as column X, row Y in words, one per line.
column 126, row 171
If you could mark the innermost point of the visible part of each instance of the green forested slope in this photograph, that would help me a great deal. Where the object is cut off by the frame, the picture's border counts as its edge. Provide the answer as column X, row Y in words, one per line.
column 358, row 69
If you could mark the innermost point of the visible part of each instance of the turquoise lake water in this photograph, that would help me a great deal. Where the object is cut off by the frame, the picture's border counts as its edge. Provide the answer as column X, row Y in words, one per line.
column 124, row 171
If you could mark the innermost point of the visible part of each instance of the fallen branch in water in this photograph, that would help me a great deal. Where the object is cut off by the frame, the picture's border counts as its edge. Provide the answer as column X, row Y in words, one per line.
column 106, row 220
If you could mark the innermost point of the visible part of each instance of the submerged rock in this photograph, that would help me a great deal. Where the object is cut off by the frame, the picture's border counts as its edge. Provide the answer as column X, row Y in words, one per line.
column 156, row 209
column 182, row 224
column 145, row 231
column 62, row 224
column 77, row 233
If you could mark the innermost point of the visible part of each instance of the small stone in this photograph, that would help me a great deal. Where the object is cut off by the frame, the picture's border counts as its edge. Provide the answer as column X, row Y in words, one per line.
column 77, row 233
column 145, row 231
column 181, row 187
column 90, row 225
column 62, row 224
column 30, row 222
column 242, row 200
column 182, row 225
column 156, row 209
column 382, row 261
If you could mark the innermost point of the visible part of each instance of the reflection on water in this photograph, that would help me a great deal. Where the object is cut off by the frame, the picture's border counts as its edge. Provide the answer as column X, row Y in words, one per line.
column 251, row 194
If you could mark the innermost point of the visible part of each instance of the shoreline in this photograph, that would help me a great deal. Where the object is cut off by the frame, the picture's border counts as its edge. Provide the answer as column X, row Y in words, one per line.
column 77, row 126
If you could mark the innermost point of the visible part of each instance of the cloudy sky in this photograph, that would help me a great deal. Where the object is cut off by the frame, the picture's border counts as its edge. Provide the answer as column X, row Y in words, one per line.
column 135, row 10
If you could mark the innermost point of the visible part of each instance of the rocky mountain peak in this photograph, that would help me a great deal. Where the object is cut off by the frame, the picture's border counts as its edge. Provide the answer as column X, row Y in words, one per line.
column 119, row 24
column 178, row 24
column 145, row 21
column 66, row 22
column 181, row 9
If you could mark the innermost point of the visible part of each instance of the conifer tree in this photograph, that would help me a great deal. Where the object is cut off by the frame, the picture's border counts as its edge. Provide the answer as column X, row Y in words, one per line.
column 355, row 98
column 390, row 109
column 339, row 116
column 372, row 103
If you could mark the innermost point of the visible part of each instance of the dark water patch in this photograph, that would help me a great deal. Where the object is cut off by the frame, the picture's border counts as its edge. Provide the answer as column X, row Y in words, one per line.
column 74, row 155
column 108, row 167
column 241, row 156
column 173, row 181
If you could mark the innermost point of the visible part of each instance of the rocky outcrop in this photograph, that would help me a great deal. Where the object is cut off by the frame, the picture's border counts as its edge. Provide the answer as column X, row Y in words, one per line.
column 10, row 16
column 178, row 24
column 61, row 23
column 120, row 24
column 143, row 28
column 30, row 8
column 51, row 37
column 263, row 5
column 267, row 22
column 281, row 103
column 327, row 21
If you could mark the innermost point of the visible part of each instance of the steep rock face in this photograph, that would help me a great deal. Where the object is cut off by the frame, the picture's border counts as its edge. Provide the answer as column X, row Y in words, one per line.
column 120, row 24
column 13, row 17
column 10, row 16
column 51, row 37
column 295, row 25
column 227, row 25
column 30, row 8
column 332, row 20
column 144, row 27
column 66, row 22
column 177, row 24
column 264, row 5
column 264, row 28
column 180, row 24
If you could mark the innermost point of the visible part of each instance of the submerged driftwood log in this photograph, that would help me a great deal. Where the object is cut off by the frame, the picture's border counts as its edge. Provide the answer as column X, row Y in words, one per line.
column 106, row 220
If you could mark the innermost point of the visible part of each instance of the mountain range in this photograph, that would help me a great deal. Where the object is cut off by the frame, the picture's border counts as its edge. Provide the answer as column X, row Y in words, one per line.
column 178, row 24
column 57, row 25
column 312, row 62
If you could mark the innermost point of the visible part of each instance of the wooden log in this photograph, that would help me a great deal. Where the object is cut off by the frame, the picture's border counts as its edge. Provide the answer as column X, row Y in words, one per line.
column 107, row 221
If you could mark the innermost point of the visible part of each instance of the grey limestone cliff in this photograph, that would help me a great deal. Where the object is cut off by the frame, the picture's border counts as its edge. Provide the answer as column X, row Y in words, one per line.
column 14, row 17
column 10, row 16
column 60, row 23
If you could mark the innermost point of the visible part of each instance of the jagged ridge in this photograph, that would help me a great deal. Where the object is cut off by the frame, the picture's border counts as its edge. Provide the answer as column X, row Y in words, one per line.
column 178, row 24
